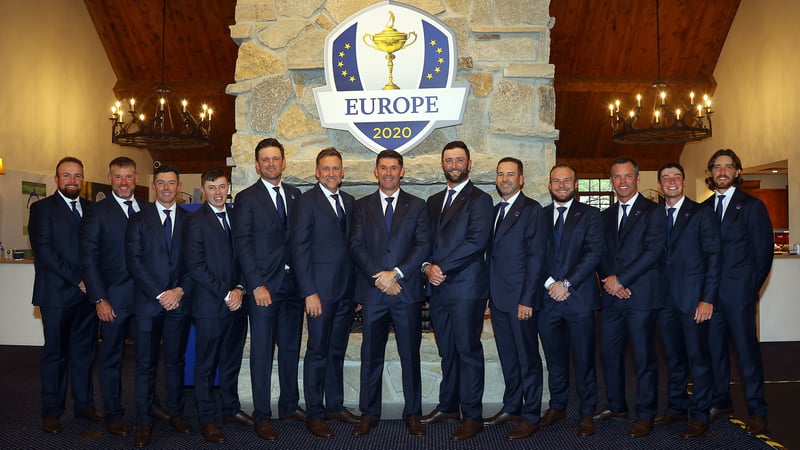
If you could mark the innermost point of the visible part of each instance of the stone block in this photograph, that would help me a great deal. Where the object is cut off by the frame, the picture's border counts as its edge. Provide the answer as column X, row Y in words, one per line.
column 510, row 49
column 255, row 61
column 512, row 106
column 267, row 100
column 279, row 34
column 297, row 8
column 294, row 123
column 306, row 51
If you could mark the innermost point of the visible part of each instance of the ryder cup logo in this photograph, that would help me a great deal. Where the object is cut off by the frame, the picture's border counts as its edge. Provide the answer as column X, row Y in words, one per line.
column 390, row 85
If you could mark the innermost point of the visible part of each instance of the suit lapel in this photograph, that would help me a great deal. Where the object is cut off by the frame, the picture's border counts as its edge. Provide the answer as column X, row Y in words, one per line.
column 633, row 216
column 511, row 217
column 400, row 210
column 457, row 203
column 687, row 209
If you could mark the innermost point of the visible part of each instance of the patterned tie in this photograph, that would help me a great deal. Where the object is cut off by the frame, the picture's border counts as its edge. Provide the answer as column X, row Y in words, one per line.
column 225, row 225
column 719, row 206
column 281, row 207
column 500, row 216
column 559, row 226
column 670, row 221
column 131, row 212
column 75, row 211
column 389, row 214
column 168, row 229
column 340, row 213
column 624, row 217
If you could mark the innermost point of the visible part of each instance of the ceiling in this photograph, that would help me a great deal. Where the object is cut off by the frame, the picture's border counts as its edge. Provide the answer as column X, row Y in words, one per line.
column 601, row 49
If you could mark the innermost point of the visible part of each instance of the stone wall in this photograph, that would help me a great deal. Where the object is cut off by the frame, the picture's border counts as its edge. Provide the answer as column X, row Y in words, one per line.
column 503, row 48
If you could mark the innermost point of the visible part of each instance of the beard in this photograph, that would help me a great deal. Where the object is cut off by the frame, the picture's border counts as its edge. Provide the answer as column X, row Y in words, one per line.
column 462, row 175
column 70, row 192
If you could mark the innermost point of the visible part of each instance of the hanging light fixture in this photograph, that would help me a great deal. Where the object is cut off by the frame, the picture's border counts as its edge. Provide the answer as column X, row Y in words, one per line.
column 162, row 121
column 668, row 123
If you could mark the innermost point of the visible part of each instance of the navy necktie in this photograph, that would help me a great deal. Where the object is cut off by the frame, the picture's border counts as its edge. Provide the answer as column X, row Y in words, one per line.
column 624, row 217
column 670, row 221
column 168, row 229
column 225, row 225
column 389, row 214
column 131, row 212
column 75, row 211
column 450, row 194
column 558, row 229
column 719, row 206
column 500, row 216
column 340, row 213
column 281, row 207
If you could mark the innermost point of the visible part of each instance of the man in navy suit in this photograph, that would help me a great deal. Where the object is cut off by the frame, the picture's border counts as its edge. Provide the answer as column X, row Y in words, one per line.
column 262, row 232
column 461, row 226
column 218, row 312
column 110, row 287
column 516, row 261
column 746, row 258
column 389, row 241
column 566, row 321
column 153, row 251
column 68, row 319
column 635, row 234
column 325, row 277
column 691, row 267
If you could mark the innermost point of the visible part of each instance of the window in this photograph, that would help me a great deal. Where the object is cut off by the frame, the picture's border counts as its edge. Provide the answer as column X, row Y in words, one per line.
column 596, row 192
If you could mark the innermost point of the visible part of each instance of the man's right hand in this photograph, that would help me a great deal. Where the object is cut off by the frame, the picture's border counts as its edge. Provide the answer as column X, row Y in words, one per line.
column 105, row 312
column 434, row 274
column 313, row 306
column 262, row 296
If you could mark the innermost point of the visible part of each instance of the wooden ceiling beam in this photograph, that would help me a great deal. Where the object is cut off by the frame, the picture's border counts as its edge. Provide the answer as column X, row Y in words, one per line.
column 583, row 83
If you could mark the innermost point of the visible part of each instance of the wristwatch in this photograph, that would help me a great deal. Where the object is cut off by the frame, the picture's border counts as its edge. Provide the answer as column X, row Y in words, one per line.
column 396, row 273
column 565, row 282
column 424, row 266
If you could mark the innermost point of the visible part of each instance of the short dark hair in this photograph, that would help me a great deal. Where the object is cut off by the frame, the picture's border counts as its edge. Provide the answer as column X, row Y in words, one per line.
column 511, row 160
column 164, row 168
column 671, row 165
column 328, row 151
column 567, row 166
column 68, row 159
column 625, row 160
column 456, row 144
column 391, row 154
column 211, row 175
column 737, row 163
column 270, row 142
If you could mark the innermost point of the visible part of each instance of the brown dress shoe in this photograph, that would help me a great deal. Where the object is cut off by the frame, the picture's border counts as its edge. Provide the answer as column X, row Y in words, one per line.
column 89, row 414
column 51, row 425
column 319, row 428
column 117, row 427
column 756, row 425
column 552, row 416
column 523, row 430
column 467, row 429
column 415, row 428
column 437, row 416
column 586, row 426
column 718, row 413
column 363, row 427
column 343, row 416
column 265, row 431
column 640, row 428
column 212, row 433
column 180, row 425
column 695, row 429
column 500, row 418
column 298, row 415
column 670, row 418
column 159, row 413
column 144, row 434
column 241, row 417
column 608, row 414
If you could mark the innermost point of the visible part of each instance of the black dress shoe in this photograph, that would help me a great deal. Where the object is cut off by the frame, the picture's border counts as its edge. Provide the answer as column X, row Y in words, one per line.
column 608, row 414
column 342, row 416
column 363, row 427
column 265, row 431
column 180, row 424
column 670, row 418
column 212, row 433
column 117, row 427
column 298, row 415
column 415, row 427
column 241, row 417
column 144, row 434
column 319, row 428
column 552, row 416
column 500, row 418
column 718, row 413
column 51, row 425
column 467, row 429
column 159, row 413
column 437, row 416
column 524, row 430
column 640, row 428
column 586, row 426
column 695, row 429
column 89, row 414
column 756, row 425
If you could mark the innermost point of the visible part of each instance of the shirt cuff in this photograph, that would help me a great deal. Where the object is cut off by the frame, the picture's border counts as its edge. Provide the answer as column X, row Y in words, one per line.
column 548, row 282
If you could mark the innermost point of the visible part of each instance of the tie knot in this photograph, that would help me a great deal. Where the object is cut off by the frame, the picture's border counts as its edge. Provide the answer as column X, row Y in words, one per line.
column 561, row 210
column 389, row 200
column 503, row 204
column 74, row 203
column 221, row 215
column 335, row 197
column 625, row 208
column 670, row 211
column 451, row 192
column 167, row 211
column 128, row 202
column 721, row 196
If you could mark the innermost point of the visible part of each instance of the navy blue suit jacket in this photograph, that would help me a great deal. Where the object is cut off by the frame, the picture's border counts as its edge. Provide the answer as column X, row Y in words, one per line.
column 406, row 246
column 261, row 242
column 692, row 260
column 634, row 254
column 319, row 248
column 211, row 262
column 577, row 258
column 516, row 256
column 747, row 246
column 153, row 267
column 458, row 242
column 103, row 263
column 53, row 233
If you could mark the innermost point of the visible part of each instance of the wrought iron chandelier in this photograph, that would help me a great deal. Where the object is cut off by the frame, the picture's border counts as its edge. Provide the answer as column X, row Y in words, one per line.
column 170, row 126
column 668, row 124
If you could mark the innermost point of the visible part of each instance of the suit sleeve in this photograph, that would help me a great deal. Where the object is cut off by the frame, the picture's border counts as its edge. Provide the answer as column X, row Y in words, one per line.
column 480, row 219
column 357, row 240
column 535, row 248
column 760, row 228
column 592, row 250
column 710, row 241
column 194, row 255
column 301, row 237
column 653, row 241
column 40, row 231
column 138, row 267
column 244, row 240
column 90, row 241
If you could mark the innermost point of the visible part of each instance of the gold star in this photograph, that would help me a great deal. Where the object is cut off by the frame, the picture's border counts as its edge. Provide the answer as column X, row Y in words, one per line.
column 352, row 79
column 347, row 46
column 429, row 76
column 341, row 54
column 344, row 73
column 441, row 60
column 437, row 70
column 439, row 50
column 341, row 64
column 433, row 42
